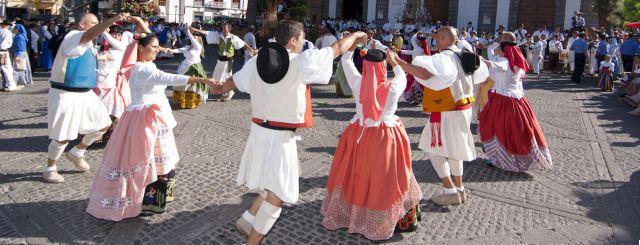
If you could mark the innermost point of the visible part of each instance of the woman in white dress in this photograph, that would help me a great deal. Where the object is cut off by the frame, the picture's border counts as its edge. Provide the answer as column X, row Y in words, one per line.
column 137, row 171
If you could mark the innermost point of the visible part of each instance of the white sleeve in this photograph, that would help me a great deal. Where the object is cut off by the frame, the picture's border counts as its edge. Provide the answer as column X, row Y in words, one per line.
column 194, row 42
column 71, row 45
column 47, row 34
column 152, row 75
column 237, row 42
column 351, row 72
column 179, row 50
column 399, row 81
column 442, row 67
column 242, row 78
column 212, row 37
column 315, row 65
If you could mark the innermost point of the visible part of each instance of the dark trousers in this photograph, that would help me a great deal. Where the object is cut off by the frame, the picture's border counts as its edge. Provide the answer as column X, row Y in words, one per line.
column 627, row 63
column 553, row 61
column 580, row 59
column 599, row 58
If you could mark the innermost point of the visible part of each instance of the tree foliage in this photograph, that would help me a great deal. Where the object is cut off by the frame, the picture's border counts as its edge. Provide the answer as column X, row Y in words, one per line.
column 297, row 10
column 630, row 10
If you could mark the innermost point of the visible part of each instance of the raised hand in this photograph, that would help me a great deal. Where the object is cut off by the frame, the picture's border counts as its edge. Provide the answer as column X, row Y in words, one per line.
column 392, row 58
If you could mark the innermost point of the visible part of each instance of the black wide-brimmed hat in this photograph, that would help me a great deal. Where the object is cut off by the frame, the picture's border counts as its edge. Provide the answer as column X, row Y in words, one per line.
column 273, row 62
column 374, row 55
column 6, row 22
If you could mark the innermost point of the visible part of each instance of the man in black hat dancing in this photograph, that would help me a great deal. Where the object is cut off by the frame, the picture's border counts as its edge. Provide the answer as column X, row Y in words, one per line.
column 278, row 80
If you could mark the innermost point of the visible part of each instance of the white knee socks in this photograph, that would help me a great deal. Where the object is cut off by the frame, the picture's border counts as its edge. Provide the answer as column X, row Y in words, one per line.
column 266, row 217
column 55, row 150
column 89, row 138
column 446, row 167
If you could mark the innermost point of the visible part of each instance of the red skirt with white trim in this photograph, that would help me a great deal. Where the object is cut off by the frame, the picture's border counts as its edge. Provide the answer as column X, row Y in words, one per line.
column 511, row 135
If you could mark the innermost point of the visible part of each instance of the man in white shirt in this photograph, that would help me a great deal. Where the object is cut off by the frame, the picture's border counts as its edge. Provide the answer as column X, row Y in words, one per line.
column 6, row 70
column 73, row 108
column 279, row 105
column 555, row 48
column 250, row 39
column 573, row 38
column 469, row 28
column 326, row 40
column 521, row 34
column 34, row 44
column 227, row 44
column 447, row 137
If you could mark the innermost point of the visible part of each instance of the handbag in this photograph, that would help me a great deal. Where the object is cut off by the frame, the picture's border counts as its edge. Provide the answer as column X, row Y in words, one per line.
column 20, row 64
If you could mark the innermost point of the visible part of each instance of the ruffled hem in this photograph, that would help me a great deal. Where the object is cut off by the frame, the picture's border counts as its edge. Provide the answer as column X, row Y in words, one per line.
column 538, row 158
column 373, row 224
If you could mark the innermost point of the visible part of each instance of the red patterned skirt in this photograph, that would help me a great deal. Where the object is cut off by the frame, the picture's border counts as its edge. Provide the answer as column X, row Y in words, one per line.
column 511, row 135
column 371, row 185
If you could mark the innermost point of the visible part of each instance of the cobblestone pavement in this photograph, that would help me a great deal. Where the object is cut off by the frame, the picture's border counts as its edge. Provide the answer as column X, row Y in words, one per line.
column 592, row 194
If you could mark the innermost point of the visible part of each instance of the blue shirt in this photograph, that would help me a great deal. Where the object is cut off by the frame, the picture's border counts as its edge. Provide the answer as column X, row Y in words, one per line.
column 603, row 48
column 630, row 47
column 579, row 46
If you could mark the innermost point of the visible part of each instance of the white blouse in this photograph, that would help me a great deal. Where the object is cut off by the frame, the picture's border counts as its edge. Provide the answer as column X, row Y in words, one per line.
column 148, row 84
column 109, row 69
column 398, row 84
column 606, row 64
column 507, row 83
column 191, row 54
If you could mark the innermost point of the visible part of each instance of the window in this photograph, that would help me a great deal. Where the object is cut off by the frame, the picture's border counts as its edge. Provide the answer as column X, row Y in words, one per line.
column 198, row 2
column 162, row 2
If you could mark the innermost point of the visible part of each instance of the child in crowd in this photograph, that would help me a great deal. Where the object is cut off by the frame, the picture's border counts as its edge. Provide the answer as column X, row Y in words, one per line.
column 605, row 77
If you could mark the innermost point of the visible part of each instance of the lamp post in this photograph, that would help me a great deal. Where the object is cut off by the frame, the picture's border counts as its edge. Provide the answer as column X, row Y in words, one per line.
column 176, row 15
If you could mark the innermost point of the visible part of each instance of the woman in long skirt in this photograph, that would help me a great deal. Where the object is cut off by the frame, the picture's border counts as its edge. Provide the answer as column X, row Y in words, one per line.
column 21, row 64
column 511, row 136
column 138, row 167
column 189, row 97
column 371, row 189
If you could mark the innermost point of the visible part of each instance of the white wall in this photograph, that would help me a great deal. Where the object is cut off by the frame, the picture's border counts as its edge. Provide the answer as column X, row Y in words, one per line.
column 332, row 8
column 396, row 10
column 502, row 13
column 570, row 7
column 468, row 11
column 371, row 10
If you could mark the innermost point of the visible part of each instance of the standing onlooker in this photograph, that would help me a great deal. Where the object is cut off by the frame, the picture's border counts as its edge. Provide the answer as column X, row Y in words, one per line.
column 46, row 59
column 603, row 49
column 250, row 39
column 579, row 48
column 34, row 44
column 628, row 49
column 555, row 47
column 6, row 70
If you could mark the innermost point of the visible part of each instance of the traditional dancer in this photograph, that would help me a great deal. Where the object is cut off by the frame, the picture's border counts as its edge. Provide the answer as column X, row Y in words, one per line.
column 22, row 69
column 280, row 103
column 605, row 78
column 509, row 131
column 73, row 108
column 537, row 54
column 227, row 44
column 371, row 185
column 413, row 91
column 138, row 167
column 342, row 85
column 448, row 95
column 113, row 92
column 192, row 95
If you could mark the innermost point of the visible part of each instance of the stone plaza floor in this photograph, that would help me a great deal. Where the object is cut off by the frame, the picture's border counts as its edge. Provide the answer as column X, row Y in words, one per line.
column 591, row 196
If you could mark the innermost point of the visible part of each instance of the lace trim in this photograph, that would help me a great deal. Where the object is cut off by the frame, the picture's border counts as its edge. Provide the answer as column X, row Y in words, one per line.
column 373, row 224
column 537, row 159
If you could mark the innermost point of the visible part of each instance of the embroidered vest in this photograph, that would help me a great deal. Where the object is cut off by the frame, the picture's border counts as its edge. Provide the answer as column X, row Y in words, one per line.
column 80, row 72
column 226, row 48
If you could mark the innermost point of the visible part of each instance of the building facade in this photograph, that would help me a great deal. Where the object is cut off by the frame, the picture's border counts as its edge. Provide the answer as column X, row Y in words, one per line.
column 31, row 8
column 486, row 15
column 186, row 11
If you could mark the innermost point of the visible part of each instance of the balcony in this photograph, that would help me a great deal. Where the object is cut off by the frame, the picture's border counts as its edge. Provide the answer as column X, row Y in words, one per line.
column 219, row 5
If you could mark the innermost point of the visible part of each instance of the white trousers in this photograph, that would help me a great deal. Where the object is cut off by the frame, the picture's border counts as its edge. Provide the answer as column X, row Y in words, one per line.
column 445, row 167
column 572, row 63
column 536, row 60
column 8, row 80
